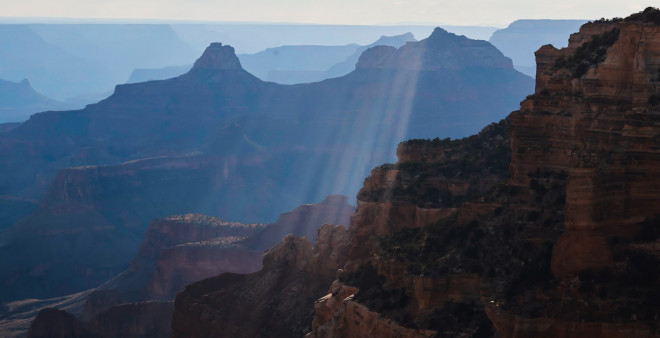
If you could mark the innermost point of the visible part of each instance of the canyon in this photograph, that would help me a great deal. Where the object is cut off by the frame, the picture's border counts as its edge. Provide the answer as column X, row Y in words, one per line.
column 220, row 142
column 176, row 251
column 564, row 245
column 543, row 224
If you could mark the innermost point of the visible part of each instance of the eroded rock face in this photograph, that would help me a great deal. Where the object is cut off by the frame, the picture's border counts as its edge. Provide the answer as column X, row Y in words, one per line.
column 566, row 246
column 377, row 295
column 274, row 302
column 599, row 127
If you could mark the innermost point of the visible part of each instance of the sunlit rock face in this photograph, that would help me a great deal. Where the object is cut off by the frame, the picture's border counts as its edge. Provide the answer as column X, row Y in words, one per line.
column 565, row 245
column 221, row 142
column 274, row 302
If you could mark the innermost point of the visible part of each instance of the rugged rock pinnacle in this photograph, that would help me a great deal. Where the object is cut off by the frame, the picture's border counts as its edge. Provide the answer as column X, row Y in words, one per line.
column 218, row 57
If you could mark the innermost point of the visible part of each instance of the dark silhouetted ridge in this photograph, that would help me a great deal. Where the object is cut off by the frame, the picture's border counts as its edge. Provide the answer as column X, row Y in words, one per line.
column 218, row 57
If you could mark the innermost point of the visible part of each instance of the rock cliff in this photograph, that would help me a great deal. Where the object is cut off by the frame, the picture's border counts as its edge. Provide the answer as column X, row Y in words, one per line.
column 562, row 242
column 274, row 302
column 379, row 292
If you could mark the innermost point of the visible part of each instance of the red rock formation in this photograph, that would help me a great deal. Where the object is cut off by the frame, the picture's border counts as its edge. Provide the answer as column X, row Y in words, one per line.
column 565, row 247
column 600, row 128
column 426, row 186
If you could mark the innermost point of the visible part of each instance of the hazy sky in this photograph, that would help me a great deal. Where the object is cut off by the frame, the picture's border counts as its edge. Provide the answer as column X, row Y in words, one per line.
column 454, row 12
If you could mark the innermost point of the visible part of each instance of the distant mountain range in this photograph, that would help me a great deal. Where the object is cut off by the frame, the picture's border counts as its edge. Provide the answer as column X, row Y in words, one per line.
column 254, row 37
column 219, row 141
column 64, row 61
column 80, row 64
column 68, row 62
column 289, row 64
column 19, row 100
column 522, row 38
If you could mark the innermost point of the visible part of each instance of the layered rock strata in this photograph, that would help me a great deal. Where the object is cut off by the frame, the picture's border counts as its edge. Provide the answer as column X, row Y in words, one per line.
column 565, row 246
column 381, row 293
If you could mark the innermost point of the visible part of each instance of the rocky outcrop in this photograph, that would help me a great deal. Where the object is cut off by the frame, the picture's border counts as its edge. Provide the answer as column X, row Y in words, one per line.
column 378, row 295
column 218, row 57
column 428, row 184
column 442, row 50
column 593, row 110
column 173, row 231
column 564, row 246
column 274, row 302
column 348, row 65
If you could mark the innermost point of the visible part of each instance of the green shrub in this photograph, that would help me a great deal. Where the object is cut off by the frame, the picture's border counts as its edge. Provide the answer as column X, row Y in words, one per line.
column 590, row 53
